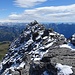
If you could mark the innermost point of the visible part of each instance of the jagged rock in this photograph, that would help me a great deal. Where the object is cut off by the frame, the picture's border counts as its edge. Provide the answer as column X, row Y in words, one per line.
column 73, row 39
column 15, row 73
column 36, row 52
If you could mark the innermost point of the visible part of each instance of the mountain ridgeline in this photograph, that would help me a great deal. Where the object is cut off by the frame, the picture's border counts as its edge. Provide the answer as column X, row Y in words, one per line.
column 39, row 51
column 10, row 32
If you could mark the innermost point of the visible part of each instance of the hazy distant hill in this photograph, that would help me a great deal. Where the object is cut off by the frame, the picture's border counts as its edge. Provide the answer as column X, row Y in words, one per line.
column 9, row 32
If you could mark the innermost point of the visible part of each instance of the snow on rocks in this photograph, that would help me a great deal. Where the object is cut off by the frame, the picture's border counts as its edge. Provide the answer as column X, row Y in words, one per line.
column 45, row 37
column 73, row 39
column 49, row 45
column 0, row 66
column 63, row 69
column 73, row 35
column 69, row 45
column 21, row 65
column 33, row 43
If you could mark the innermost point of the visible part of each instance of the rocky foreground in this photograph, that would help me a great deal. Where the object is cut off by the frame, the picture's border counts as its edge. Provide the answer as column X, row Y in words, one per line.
column 39, row 51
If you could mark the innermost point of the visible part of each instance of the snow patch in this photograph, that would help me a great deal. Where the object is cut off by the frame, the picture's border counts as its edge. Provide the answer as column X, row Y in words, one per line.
column 21, row 65
column 63, row 69
column 45, row 37
column 38, row 37
column 50, row 44
column 69, row 45
column 52, row 34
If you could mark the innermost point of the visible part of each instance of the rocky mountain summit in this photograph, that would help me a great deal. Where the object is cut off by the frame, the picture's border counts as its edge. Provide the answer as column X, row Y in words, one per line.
column 39, row 51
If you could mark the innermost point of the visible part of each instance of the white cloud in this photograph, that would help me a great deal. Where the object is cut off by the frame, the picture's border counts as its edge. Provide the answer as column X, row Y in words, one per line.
column 46, row 14
column 28, row 3
column 14, row 17
column 52, row 13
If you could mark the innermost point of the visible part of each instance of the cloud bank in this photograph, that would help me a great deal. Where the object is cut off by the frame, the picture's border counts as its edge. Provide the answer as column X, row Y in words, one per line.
column 28, row 3
column 46, row 14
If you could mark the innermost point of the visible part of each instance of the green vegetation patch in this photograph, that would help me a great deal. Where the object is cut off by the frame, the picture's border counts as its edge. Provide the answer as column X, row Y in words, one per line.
column 3, row 48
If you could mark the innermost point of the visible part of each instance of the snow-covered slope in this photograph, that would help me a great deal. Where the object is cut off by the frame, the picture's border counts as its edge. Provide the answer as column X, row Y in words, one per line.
column 31, row 46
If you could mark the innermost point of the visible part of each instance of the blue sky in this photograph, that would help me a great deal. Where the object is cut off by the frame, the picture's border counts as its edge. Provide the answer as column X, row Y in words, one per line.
column 40, row 10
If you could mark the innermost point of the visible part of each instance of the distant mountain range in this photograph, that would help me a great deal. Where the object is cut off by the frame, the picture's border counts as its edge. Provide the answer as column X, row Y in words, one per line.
column 10, row 31
column 67, row 29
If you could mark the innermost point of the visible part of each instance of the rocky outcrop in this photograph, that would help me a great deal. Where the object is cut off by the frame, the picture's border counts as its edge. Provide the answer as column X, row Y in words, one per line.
column 36, row 52
column 73, row 39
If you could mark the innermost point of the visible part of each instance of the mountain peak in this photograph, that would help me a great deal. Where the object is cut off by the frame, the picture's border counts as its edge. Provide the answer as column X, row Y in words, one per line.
column 35, row 52
column 33, row 23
